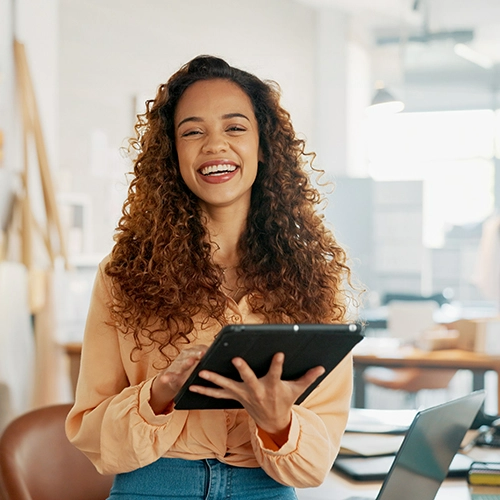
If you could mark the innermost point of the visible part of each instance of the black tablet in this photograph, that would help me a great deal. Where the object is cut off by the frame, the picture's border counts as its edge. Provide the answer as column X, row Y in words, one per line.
column 304, row 346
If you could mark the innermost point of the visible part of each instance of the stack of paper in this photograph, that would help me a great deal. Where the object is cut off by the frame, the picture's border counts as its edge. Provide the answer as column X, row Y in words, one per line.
column 379, row 421
column 370, row 445
column 371, row 433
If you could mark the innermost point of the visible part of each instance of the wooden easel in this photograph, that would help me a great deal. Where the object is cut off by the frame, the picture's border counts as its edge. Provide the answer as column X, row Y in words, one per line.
column 52, row 234
column 43, row 232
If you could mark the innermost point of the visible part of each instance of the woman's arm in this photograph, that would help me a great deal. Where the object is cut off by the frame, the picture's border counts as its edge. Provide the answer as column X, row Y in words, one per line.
column 112, row 421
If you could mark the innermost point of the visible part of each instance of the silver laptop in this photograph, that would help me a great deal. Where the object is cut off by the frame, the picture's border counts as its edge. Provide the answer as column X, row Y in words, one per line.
column 433, row 439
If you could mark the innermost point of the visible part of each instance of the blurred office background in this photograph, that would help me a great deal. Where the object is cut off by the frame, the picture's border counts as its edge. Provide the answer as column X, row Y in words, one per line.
column 413, row 191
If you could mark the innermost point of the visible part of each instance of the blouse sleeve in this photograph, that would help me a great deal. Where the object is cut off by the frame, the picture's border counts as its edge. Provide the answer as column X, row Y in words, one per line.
column 111, row 420
column 315, row 433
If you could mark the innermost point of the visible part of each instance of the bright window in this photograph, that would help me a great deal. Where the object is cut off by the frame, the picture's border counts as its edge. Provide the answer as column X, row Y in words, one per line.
column 452, row 152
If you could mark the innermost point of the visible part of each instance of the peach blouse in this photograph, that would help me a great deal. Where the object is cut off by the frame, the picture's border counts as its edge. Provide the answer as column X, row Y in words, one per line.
column 114, row 425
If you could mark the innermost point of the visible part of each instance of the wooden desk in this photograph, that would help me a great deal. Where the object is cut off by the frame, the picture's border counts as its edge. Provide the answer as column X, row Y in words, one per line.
column 406, row 357
column 73, row 351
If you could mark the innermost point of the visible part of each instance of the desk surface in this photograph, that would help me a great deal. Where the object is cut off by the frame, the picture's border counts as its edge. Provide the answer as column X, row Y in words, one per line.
column 411, row 356
column 338, row 488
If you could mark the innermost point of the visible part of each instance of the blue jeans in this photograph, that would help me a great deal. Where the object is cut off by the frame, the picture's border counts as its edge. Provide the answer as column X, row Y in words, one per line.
column 209, row 479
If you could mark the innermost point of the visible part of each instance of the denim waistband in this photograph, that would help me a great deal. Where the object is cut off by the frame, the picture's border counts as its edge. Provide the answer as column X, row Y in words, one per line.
column 208, row 479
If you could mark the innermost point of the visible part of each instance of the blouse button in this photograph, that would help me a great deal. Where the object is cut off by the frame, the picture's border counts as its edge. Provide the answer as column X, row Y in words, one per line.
column 236, row 318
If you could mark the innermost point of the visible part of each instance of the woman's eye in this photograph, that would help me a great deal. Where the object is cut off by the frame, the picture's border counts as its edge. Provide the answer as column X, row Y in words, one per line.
column 236, row 128
column 190, row 132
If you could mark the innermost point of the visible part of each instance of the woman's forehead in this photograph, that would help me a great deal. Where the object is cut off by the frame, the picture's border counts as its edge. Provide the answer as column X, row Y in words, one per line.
column 213, row 97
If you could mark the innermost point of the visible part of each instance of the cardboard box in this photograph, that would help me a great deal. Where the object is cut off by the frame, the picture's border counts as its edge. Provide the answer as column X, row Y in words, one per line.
column 480, row 335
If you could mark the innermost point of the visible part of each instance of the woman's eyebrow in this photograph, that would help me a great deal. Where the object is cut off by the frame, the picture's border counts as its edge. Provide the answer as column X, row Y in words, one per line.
column 190, row 119
column 198, row 119
column 235, row 115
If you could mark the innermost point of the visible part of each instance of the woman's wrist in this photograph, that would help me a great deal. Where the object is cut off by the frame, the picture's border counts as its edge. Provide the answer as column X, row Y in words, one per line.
column 275, row 440
column 278, row 434
column 161, row 399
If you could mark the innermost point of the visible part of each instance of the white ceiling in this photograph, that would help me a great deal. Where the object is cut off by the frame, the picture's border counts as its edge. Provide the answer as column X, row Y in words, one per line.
column 396, row 16
column 404, row 18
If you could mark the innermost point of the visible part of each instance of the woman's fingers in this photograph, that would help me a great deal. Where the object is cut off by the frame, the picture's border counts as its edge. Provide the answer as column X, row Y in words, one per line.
column 212, row 392
column 167, row 383
column 276, row 368
column 190, row 356
column 311, row 375
column 227, row 388
column 252, row 388
column 178, row 372
column 246, row 373
column 219, row 380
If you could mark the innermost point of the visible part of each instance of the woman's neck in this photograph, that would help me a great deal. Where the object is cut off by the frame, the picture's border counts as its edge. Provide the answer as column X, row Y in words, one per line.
column 225, row 227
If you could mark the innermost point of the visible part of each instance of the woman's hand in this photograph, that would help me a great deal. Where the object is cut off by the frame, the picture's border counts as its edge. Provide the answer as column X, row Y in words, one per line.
column 268, row 400
column 167, row 383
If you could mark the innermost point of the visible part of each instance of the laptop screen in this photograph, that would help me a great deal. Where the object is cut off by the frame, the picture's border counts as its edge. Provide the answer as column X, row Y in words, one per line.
column 422, row 462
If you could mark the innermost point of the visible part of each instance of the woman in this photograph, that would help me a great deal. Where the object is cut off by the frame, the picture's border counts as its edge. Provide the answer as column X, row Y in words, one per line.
column 219, row 227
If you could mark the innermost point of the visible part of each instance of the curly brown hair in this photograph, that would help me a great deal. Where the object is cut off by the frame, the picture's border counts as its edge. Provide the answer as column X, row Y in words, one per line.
column 161, row 264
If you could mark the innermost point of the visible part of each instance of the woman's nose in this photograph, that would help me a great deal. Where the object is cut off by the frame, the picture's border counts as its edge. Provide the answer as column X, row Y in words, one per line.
column 215, row 143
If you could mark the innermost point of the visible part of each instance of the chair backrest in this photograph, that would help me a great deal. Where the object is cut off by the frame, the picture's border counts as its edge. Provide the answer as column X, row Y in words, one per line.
column 37, row 462
column 5, row 406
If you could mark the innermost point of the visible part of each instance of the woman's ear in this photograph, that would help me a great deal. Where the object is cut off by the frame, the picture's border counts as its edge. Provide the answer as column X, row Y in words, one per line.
column 261, row 155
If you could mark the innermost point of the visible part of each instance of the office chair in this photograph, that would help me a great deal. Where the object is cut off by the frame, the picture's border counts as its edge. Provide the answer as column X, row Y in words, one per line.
column 37, row 462
column 407, row 318
column 5, row 406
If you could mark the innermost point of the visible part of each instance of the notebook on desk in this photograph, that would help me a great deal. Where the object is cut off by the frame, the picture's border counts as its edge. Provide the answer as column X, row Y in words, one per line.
column 431, row 443
column 377, row 468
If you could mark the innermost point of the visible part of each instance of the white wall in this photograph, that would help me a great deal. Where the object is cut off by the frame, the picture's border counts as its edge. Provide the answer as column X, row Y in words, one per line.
column 112, row 51
column 34, row 24
column 6, row 79
column 331, row 82
column 36, row 28
column 6, row 109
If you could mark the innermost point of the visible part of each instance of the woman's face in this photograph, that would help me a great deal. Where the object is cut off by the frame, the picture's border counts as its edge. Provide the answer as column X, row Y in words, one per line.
column 217, row 140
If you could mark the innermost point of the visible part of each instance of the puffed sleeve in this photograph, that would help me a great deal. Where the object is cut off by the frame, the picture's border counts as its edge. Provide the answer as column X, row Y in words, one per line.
column 111, row 420
column 314, row 438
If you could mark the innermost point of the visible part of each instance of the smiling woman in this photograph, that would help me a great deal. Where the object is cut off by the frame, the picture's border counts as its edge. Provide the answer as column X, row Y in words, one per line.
column 220, row 226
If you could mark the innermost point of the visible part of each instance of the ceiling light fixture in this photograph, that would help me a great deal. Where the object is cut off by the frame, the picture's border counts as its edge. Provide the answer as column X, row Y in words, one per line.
column 384, row 103
column 473, row 56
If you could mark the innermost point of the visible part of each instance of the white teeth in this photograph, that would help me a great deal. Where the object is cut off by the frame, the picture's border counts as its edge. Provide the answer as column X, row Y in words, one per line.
column 217, row 169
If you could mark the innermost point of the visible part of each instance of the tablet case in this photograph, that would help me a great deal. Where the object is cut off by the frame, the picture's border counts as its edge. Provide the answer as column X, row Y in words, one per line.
column 305, row 346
